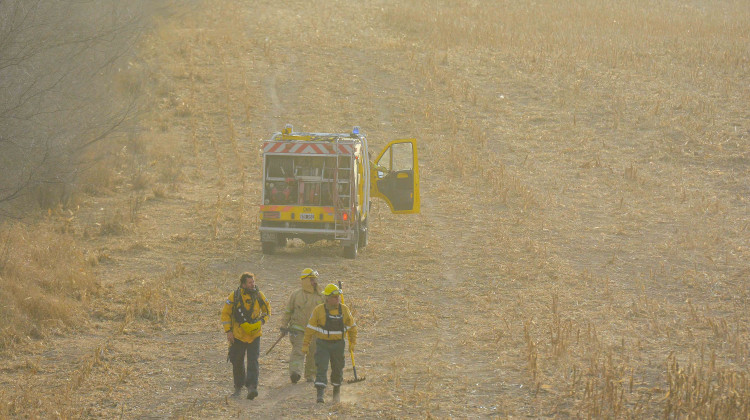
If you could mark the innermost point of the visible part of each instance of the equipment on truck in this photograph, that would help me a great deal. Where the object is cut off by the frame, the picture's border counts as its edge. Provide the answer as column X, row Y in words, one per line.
column 320, row 186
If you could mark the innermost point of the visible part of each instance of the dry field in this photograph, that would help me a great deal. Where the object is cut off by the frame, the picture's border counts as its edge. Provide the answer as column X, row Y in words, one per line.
column 583, row 249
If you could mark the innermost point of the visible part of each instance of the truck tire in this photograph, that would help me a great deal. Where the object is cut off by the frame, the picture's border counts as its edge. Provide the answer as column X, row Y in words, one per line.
column 350, row 251
column 268, row 247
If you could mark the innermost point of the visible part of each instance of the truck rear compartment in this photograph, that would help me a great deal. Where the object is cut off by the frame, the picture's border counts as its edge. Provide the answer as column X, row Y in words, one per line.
column 303, row 181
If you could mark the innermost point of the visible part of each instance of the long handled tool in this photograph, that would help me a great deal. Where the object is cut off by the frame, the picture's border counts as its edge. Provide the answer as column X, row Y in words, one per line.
column 354, row 367
column 351, row 352
column 283, row 333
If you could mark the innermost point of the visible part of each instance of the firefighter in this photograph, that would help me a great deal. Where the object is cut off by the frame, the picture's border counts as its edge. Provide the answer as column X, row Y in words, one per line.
column 298, row 309
column 243, row 315
column 329, row 323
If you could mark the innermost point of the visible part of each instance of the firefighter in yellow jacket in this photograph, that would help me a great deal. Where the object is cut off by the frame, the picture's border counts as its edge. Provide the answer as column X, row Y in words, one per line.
column 301, row 304
column 243, row 315
column 329, row 323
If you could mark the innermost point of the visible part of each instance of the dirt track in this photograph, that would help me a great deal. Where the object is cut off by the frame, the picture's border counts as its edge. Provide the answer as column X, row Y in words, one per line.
column 584, row 223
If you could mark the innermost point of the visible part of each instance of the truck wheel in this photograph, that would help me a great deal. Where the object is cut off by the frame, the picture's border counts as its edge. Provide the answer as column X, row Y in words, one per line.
column 350, row 251
column 268, row 247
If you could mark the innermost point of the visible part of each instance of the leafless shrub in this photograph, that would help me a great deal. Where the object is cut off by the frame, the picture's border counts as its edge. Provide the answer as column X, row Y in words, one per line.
column 58, row 61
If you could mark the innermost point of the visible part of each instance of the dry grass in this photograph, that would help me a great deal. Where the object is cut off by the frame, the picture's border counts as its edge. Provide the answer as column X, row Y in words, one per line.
column 154, row 299
column 45, row 284
column 582, row 248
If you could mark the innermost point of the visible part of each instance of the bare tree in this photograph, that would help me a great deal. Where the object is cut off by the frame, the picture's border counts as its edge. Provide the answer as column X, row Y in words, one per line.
column 57, row 100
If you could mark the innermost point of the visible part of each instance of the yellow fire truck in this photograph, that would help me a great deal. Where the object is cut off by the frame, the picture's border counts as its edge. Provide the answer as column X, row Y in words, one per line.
column 320, row 186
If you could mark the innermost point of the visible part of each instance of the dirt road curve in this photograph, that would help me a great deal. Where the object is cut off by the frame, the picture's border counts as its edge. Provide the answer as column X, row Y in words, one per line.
column 583, row 240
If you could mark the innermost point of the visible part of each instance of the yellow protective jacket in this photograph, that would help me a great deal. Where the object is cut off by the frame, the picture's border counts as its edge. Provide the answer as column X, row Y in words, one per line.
column 260, row 312
column 300, row 306
column 316, row 325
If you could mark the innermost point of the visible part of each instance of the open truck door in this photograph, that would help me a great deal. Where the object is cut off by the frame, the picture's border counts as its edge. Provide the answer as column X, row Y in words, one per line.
column 395, row 176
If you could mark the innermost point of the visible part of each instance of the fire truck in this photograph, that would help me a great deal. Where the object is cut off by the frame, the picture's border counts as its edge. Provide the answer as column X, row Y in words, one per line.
column 320, row 186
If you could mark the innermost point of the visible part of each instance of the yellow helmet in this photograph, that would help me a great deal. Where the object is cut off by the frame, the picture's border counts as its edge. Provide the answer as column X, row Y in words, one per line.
column 331, row 290
column 308, row 272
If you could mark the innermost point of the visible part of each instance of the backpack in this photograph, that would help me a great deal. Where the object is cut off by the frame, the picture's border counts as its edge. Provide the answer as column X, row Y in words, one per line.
column 240, row 315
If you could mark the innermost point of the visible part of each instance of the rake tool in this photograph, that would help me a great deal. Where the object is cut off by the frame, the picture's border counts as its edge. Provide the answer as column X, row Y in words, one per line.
column 354, row 367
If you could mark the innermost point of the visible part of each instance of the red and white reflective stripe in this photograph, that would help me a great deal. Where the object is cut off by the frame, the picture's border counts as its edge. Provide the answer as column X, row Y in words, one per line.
column 306, row 148
column 272, row 147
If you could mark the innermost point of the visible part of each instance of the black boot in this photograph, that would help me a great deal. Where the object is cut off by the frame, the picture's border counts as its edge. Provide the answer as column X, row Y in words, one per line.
column 336, row 394
column 321, row 392
column 294, row 377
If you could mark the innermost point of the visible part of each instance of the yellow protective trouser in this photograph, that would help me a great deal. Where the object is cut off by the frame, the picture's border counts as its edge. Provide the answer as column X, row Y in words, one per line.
column 297, row 358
